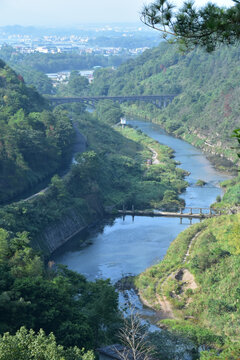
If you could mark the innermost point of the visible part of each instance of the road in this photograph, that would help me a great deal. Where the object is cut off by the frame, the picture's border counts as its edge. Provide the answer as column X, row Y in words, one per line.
column 79, row 146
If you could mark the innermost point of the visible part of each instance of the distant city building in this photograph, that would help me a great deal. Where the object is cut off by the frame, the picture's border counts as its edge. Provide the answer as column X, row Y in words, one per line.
column 42, row 49
column 63, row 76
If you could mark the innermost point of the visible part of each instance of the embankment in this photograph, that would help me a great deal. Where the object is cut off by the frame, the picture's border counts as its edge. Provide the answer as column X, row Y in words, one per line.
column 198, row 279
column 59, row 232
column 219, row 153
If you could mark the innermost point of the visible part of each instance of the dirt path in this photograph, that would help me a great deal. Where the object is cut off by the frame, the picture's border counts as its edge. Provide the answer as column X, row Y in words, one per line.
column 79, row 146
column 166, row 307
column 155, row 160
column 189, row 247
column 166, row 310
column 182, row 275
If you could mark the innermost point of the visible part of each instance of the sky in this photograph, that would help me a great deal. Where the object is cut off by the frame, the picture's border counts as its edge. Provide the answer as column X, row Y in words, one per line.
column 76, row 12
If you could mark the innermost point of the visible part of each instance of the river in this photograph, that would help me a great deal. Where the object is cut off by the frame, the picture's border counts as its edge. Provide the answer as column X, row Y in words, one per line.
column 129, row 246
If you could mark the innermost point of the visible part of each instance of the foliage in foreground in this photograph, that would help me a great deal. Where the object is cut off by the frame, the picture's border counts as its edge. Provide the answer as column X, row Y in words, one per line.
column 28, row 345
column 208, row 27
column 79, row 313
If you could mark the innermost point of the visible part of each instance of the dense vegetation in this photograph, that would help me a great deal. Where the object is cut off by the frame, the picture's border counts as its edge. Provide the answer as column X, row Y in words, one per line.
column 206, row 109
column 28, row 345
column 204, row 112
column 230, row 201
column 76, row 86
column 36, row 79
column 34, row 140
column 55, row 299
column 125, row 177
column 34, row 143
column 208, row 26
column 208, row 313
column 112, row 172
column 51, row 63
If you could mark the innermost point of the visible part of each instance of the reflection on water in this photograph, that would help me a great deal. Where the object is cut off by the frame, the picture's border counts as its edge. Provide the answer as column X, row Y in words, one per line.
column 123, row 247
column 129, row 247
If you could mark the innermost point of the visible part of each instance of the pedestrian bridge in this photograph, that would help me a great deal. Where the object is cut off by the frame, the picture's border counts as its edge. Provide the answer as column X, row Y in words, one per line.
column 187, row 212
column 158, row 100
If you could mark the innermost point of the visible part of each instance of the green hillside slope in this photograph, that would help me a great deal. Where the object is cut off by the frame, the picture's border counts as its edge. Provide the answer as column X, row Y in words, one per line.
column 206, row 108
column 197, row 282
column 199, row 278
column 33, row 140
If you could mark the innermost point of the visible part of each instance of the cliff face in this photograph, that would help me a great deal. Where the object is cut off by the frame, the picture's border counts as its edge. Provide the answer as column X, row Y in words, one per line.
column 72, row 222
column 58, row 233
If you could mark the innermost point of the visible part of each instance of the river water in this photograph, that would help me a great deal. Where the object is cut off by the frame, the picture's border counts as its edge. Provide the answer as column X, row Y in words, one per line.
column 129, row 246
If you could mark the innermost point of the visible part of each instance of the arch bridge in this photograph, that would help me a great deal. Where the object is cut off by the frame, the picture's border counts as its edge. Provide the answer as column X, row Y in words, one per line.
column 158, row 100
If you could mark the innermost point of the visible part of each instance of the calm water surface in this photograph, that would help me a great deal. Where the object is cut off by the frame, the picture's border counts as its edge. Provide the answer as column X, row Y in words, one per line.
column 129, row 247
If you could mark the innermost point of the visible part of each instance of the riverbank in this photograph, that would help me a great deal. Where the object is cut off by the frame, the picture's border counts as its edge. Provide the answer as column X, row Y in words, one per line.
column 130, row 247
column 113, row 172
column 220, row 155
column 209, row 297
column 186, row 282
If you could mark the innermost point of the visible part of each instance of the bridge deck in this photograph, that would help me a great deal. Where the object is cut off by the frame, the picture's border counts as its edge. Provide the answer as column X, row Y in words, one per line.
column 126, row 97
column 165, row 213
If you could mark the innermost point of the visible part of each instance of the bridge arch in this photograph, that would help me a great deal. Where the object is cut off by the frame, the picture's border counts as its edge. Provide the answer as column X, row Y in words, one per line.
column 158, row 100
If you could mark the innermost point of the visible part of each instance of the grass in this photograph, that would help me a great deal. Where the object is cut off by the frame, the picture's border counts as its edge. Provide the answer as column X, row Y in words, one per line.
column 214, row 260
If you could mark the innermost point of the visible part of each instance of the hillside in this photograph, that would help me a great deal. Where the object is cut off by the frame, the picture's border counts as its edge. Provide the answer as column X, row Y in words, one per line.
column 196, row 283
column 206, row 108
column 198, row 279
column 34, row 141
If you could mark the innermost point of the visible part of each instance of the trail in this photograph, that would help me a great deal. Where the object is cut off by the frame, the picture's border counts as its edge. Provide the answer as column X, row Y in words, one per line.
column 155, row 160
column 79, row 146
column 189, row 246
column 183, row 275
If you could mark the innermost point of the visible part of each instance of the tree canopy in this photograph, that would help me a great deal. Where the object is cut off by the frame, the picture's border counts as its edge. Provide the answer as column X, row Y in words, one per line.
column 34, row 141
column 26, row 345
column 207, row 27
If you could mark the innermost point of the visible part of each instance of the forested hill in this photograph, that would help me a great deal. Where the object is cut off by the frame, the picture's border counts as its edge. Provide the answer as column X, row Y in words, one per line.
column 207, row 88
column 33, row 140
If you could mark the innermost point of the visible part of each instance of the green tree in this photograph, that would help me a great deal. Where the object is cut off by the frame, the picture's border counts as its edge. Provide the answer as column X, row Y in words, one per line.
column 28, row 345
column 77, row 83
column 236, row 134
column 208, row 27
column 4, row 247
column 109, row 112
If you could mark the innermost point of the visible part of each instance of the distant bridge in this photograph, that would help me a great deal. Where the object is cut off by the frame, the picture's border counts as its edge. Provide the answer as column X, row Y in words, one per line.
column 194, row 213
column 158, row 100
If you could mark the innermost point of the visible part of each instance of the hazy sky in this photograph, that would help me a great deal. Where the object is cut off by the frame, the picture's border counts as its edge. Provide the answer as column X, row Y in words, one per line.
column 75, row 12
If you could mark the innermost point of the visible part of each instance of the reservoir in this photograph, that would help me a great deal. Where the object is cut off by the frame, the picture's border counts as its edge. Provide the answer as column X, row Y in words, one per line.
column 128, row 246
